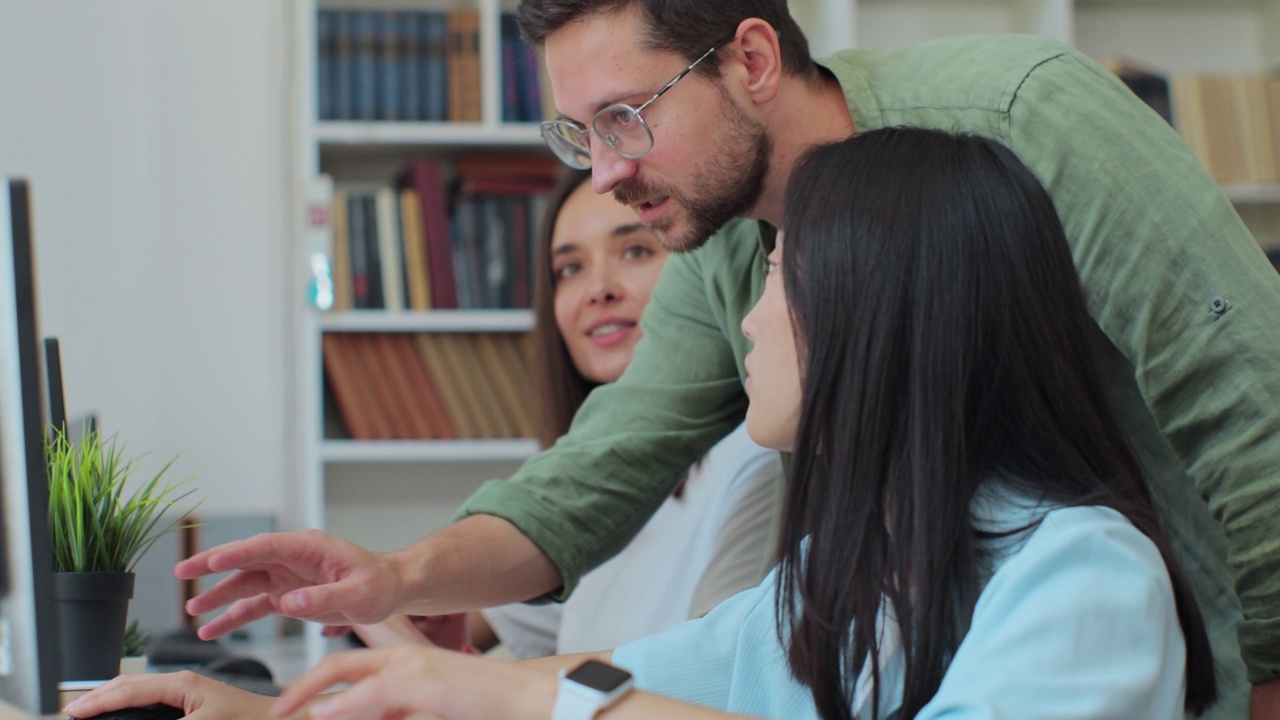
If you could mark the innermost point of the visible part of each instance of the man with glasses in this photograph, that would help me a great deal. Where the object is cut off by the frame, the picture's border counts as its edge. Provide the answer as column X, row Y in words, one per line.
column 694, row 113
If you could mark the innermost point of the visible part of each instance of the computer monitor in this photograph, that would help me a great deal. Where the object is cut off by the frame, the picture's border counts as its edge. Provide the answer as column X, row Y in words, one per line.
column 28, row 634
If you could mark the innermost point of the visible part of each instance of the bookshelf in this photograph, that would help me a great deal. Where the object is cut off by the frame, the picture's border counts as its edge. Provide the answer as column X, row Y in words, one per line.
column 1213, row 37
column 388, row 493
column 370, row 153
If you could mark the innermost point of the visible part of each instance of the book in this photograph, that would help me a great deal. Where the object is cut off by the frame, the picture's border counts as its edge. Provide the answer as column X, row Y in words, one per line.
column 457, row 404
column 1226, row 156
column 532, row 80
column 508, row 38
column 342, row 281
column 1273, row 106
column 388, row 65
column 435, row 66
column 326, row 52
column 344, row 65
column 426, row 177
column 532, row 167
column 496, row 356
column 387, row 375
column 448, row 351
column 410, row 63
column 1255, row 128
column 417, row 398
column 463, row 62
column 391, row 265
column 499, row 416
column 365, row 48
column 1189, row 116
column 345, row 369
column 420, row 389
column 1150, row 86
column 415, row 251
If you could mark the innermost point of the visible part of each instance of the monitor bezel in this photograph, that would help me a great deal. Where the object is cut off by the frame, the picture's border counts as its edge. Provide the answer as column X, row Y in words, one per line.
column 26, row 611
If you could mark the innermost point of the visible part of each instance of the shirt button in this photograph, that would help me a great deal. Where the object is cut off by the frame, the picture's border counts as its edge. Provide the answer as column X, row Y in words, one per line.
column 1218, row 305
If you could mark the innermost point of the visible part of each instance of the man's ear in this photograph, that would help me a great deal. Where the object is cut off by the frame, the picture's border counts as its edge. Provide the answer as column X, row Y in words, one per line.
column 757, row 49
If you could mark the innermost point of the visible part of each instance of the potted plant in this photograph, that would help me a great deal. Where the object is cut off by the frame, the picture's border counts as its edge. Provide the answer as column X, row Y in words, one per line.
column 99, row 533
column 133, row 657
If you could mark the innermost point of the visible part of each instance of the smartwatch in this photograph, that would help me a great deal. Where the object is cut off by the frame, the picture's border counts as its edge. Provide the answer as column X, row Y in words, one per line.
column 588, row 689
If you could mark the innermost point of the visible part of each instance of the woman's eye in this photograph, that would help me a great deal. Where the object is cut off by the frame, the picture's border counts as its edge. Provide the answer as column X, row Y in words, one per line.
column 637, row 251
column 770, row 267
column 566, row 271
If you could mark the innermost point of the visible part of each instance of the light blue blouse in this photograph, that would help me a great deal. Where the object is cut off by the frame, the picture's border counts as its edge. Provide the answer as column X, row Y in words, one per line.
column 1078, row 620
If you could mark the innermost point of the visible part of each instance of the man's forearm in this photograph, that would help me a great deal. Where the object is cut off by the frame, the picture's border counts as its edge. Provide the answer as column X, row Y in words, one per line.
column 479, row 561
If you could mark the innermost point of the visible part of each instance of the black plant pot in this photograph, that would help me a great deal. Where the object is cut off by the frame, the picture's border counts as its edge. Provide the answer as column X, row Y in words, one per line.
column 93, row 608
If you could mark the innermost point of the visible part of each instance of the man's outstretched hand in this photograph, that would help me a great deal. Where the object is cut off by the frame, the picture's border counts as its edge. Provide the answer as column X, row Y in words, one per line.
column 305, row 574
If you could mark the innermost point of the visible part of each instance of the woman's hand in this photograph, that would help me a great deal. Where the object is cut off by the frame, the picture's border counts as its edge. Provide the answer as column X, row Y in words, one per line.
column 199, row 697
column 396, row 682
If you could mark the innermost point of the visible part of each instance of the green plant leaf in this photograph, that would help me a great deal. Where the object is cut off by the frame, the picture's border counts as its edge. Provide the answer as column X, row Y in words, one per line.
column 96, row 527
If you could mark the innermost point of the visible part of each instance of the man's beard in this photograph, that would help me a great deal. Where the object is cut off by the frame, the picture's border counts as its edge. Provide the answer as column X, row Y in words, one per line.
column 730, row 183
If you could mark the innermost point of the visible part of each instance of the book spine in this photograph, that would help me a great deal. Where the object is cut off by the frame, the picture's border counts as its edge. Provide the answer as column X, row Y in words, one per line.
column 410, row 62
column 344, row 65
column 389, row 66
column 324, row 64
column 437, row 66
column 366, row 51
column 359, row 252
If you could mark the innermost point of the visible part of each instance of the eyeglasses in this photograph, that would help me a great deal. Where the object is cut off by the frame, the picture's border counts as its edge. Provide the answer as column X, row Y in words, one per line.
column 621, row 128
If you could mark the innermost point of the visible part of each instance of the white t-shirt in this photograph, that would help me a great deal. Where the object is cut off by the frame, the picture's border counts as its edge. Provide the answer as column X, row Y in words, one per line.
column 718, row 538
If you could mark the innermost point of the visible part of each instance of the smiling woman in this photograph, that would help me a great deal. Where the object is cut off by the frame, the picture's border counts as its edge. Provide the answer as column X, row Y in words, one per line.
column 604, row 263
column 597, row 264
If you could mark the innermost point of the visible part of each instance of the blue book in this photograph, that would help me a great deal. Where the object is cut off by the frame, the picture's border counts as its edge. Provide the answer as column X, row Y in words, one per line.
column 510, row 44
column 410, row 61
column 388, row 66
column 366, row 53
column 437, row 85
column 344, row 65
column 324, row 64
column 530, row 84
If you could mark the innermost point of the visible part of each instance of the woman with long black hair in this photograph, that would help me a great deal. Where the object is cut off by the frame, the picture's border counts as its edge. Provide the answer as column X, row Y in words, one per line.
column 966, row 533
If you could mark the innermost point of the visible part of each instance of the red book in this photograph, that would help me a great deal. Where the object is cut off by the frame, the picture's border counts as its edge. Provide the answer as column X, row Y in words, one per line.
column 426, row 177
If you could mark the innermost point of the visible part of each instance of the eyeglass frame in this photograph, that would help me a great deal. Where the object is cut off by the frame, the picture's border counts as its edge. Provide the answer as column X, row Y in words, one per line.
column 584, row 132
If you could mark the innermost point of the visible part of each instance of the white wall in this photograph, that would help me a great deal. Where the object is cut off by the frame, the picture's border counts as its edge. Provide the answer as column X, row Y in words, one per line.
column 156, row 135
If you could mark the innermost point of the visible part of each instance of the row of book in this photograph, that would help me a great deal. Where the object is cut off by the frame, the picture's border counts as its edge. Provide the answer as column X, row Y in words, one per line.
column 523, row 99
column 440, row 241
column 428, row 386
column 418, row 65
column 1231, row 123
column 398, row 65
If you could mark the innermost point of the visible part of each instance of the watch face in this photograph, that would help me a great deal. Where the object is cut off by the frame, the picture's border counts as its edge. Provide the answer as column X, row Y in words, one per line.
column 599, row 676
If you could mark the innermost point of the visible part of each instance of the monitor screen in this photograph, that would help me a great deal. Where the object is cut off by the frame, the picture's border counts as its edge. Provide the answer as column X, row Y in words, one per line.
column 28, row 641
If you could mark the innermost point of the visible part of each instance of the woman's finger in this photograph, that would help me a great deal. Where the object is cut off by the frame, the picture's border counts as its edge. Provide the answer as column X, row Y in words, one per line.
column 349, row 667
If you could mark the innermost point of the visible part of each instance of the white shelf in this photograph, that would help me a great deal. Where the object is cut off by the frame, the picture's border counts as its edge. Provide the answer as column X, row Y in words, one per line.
column 429, row 321
column 428, row 133
column 1247, row 193
column 1164, row 4
column 1226, row 36
column 425, row 451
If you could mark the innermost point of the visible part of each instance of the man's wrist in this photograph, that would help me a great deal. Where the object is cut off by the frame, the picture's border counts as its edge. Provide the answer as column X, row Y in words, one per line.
column 410, row 570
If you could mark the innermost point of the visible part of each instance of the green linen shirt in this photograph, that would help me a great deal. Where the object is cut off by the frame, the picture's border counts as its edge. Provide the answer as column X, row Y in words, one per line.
column 1187, row 305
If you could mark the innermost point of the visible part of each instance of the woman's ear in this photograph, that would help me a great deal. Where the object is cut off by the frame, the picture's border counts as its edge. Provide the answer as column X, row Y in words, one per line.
column 758, row 51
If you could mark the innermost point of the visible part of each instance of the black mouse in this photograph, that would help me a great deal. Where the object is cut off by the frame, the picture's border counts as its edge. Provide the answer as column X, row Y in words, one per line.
column 149, row 712
column 240, row 665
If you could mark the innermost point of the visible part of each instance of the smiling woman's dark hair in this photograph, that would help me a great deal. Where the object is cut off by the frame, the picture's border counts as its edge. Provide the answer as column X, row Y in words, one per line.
column 944, row 340
column 561, row 387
